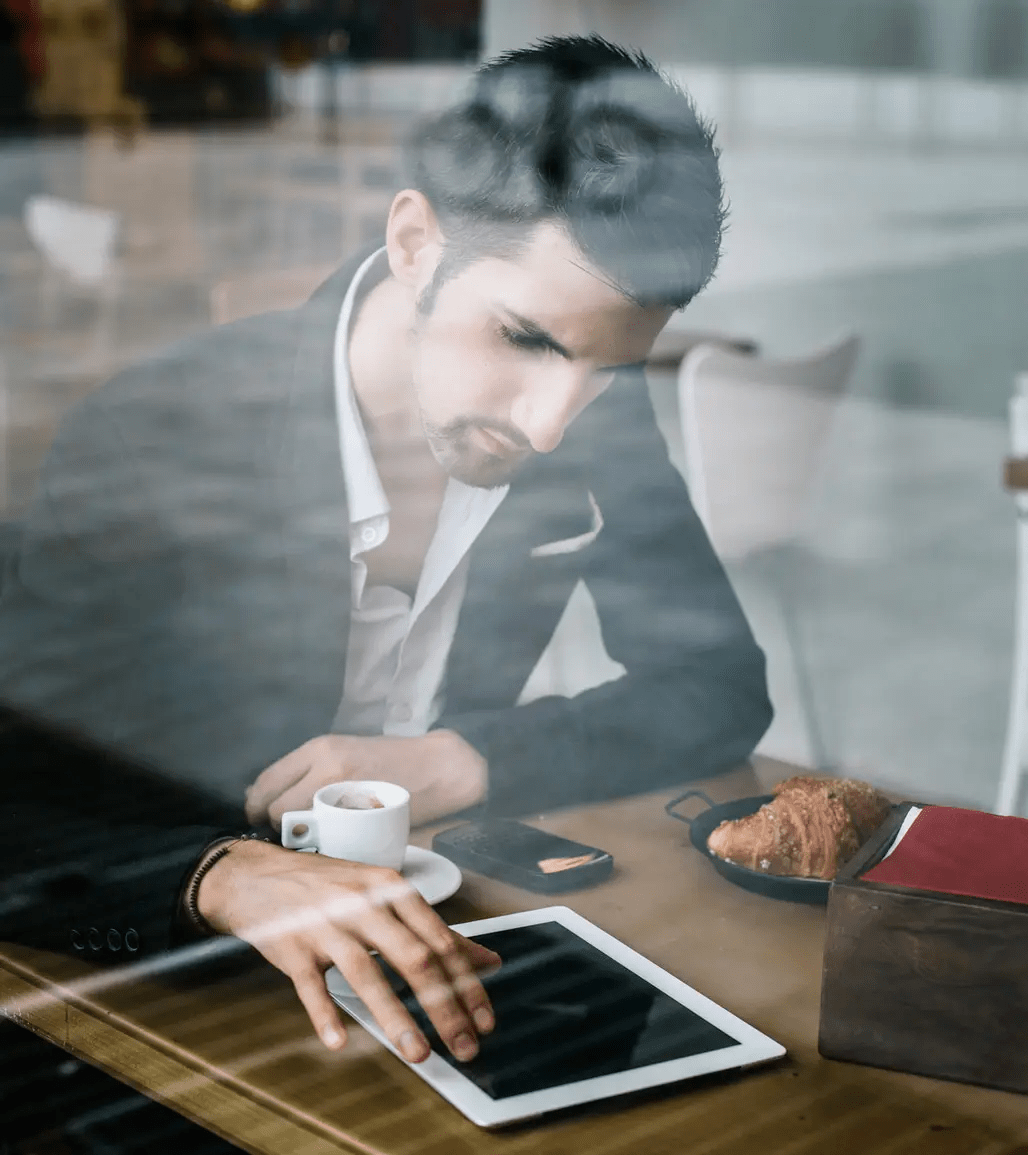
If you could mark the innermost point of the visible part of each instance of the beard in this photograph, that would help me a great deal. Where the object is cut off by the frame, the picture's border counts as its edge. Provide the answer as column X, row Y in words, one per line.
column 464, row 458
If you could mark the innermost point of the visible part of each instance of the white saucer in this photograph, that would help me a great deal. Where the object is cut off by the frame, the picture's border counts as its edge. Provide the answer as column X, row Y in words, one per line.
column 431, row 875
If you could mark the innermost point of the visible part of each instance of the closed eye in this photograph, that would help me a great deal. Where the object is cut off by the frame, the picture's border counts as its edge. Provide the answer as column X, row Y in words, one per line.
column 528, row 338
column 522, row 340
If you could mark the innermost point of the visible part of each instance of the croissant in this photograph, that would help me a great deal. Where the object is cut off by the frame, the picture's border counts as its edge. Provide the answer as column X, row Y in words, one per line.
column 808, row 830
column 867, row 806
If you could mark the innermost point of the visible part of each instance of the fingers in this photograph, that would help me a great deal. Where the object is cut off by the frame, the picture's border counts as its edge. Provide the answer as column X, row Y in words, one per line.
column 274, row 781
column 459, row 957
column 431, row 985
column 330, row 911
column 364, row 974
column 309, row 981
column 419, row 945
column 484, row 963
column 480, row 957
column 300, row 794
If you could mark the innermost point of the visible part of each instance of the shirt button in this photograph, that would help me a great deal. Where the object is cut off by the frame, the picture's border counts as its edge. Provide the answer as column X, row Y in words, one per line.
column 403, row 713
column 369, row 535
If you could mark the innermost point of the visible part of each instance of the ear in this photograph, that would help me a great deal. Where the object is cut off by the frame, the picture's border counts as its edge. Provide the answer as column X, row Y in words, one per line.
column 414, row 240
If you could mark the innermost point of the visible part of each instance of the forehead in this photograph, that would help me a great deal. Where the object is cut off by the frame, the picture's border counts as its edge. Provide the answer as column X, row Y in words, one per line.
column 552, row 283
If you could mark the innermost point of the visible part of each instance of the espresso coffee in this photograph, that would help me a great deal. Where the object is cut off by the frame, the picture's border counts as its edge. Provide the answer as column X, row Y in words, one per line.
column 358, row 802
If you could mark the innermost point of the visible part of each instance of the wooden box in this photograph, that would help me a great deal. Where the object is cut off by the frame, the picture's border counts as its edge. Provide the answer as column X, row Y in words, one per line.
column 918, row 981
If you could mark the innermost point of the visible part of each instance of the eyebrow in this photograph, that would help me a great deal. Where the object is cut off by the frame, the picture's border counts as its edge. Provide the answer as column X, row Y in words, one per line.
column 534, row 330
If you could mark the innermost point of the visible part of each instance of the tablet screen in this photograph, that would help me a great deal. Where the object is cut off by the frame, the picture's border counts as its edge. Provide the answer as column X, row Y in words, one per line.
column 565, row 1011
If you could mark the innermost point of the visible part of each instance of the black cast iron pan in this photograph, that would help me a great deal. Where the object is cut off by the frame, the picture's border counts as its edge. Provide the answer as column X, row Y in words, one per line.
column 811, row 890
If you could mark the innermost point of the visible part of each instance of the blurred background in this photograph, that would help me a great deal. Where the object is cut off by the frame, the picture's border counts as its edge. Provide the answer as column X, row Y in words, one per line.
column 166, row 165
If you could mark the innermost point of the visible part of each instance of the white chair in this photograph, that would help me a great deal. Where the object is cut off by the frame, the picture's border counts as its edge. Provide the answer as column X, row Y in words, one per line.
column 76, row 239
column 1016, row 479
column 754, row 430
column 78, row 243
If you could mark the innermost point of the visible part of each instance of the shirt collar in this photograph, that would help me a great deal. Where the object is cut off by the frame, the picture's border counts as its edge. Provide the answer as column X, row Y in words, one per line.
column 365, row 496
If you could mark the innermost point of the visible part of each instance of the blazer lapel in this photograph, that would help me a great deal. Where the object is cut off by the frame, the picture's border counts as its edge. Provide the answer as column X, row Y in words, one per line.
column 513, row 599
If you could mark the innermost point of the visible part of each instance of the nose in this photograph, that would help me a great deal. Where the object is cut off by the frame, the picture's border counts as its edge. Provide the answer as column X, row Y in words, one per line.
column 544, row 410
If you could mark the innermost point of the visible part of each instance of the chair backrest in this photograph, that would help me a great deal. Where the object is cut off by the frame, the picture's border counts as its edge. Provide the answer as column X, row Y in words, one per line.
column 1019, row 435
column 248, row 296
column 754, row 430
column 77, row 239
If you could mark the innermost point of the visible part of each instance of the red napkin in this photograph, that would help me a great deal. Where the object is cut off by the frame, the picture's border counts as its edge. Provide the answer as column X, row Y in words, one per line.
column 961, row 852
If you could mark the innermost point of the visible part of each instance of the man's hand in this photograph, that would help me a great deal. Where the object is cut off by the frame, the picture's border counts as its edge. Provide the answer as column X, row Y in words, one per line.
column 442, row 772
column 305, row 912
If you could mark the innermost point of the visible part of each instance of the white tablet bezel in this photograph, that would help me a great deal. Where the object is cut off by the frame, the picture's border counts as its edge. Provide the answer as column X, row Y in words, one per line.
column 752, row 1046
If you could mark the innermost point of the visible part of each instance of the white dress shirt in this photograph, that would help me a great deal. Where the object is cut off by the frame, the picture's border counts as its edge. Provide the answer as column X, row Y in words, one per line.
column 398, row 649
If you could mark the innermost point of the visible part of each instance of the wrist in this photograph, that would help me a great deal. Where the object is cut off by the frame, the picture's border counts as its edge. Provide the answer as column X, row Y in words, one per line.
column 461, row 774
column 213, row 895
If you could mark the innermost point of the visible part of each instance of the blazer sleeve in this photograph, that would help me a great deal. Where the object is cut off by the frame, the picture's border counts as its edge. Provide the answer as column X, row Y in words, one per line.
column 99, row 891
column 694, row 698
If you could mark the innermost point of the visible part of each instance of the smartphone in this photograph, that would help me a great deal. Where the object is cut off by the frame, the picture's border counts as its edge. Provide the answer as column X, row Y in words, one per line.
column 523, row 856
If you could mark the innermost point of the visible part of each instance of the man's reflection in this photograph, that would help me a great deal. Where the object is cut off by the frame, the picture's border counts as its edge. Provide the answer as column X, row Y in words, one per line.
column 333, row 543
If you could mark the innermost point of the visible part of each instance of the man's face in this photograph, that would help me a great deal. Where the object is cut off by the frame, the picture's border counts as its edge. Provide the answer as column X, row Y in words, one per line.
column 512, row 350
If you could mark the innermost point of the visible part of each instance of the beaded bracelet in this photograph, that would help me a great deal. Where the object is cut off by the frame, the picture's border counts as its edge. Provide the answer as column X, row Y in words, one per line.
column 213, row 854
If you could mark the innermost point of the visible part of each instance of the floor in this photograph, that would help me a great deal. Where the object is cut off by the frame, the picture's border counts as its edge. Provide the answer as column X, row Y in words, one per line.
column 905, row 572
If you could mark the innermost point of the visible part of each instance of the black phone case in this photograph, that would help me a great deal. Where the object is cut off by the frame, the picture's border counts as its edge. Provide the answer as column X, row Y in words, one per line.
column 509, row 851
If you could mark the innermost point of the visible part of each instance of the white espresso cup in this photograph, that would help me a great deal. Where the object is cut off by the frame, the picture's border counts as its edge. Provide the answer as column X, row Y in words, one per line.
column 372, row 826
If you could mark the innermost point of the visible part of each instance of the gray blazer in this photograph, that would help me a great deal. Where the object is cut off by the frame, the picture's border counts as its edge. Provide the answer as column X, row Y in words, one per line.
column 181, row 590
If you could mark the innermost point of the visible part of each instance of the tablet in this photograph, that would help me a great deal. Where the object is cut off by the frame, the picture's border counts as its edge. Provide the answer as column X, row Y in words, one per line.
column 579, row 1017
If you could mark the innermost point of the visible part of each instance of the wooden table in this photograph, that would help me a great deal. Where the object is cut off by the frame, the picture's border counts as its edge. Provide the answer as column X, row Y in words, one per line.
column 237, row 1055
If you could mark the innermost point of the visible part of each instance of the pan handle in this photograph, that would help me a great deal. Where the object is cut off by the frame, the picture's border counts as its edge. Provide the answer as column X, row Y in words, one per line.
column 670, row 807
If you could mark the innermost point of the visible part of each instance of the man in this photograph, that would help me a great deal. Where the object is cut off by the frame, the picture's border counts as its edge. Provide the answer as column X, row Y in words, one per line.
column 468, row 400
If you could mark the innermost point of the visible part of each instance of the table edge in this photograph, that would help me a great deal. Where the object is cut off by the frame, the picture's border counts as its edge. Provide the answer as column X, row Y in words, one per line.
column 125, row 1028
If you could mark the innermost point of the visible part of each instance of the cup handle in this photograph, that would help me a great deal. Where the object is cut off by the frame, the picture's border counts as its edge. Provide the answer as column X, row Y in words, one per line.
column 292, row 841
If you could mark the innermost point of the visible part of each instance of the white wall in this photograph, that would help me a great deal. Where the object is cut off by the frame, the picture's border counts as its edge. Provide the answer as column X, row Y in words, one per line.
column 948, row 37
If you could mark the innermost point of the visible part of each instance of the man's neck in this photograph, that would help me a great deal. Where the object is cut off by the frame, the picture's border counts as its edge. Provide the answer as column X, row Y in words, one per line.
column 380, row 365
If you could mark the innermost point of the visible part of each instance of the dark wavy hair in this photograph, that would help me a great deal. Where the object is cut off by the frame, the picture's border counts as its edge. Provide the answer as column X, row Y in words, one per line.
column 582, row 132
